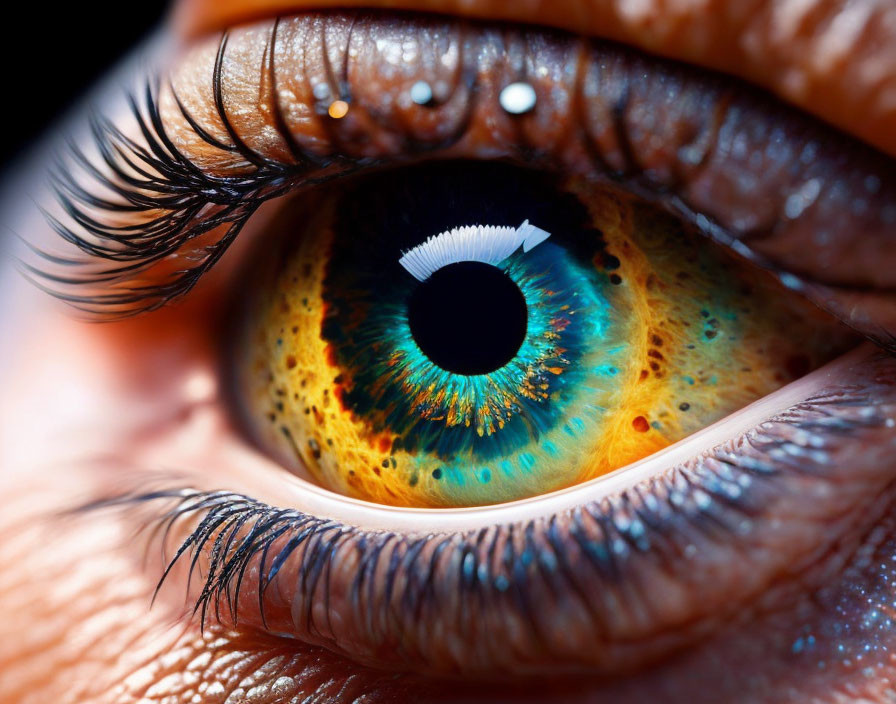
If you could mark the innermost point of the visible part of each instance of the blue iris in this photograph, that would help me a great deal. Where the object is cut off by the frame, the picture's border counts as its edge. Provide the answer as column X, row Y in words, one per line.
column 471, row 424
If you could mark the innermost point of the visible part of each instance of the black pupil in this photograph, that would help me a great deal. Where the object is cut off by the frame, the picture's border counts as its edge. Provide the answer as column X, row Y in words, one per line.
column 468, row 318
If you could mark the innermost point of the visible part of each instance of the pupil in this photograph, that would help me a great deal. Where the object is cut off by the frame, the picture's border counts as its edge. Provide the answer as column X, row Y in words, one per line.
column 468, row 318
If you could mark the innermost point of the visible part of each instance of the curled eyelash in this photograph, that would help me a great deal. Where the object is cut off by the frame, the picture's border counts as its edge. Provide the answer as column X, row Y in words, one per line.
column 176, row 207
column 174, row 201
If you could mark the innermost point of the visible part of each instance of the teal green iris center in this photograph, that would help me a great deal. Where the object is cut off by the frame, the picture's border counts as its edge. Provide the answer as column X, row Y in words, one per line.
column 466, row 421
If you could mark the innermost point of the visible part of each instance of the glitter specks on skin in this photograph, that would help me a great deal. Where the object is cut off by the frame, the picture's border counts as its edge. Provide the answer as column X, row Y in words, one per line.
column 421, row 93
column 518, row 98
column 853, row 629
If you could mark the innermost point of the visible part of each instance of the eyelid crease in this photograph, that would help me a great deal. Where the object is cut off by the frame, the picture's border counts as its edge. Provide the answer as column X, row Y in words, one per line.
column 777, row 187
column 788, row 49
column 364, row 592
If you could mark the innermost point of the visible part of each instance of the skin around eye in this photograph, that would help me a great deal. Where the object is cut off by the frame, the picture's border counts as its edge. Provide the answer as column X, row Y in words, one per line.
column 635, row 334
column 76, row 625
column 830, row 58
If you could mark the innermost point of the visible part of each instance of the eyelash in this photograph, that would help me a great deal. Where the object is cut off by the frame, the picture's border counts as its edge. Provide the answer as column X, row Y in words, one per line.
column 155, row 176
column 182, row 192
column 719, row 496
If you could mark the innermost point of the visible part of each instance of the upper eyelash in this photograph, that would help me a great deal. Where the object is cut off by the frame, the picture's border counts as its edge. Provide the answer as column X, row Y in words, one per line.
column 105, row 280
column 181, row 192
column 158, row 177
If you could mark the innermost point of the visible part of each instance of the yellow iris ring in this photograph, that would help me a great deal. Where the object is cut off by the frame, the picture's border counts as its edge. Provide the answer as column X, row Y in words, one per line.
column 671, row 382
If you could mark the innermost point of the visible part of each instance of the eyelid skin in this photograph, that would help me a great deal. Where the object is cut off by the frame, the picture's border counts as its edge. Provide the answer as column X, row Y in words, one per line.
column 832, row 58
column 805, row 199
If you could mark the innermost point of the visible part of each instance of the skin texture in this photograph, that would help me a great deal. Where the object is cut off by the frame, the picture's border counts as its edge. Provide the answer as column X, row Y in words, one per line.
column 75, row 590
column 831, row 58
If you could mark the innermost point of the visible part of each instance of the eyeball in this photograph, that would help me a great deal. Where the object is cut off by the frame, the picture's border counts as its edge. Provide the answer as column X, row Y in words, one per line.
column 470, row 333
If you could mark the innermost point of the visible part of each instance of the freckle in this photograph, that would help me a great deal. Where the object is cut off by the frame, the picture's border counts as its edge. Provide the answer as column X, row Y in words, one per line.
column 290, row 362
column 644, row 375
column 437, row 473
column 315, row 448
column 615, row 279
column 710, row 334
column 684, row 406
column 656, row 340
column 640, row 424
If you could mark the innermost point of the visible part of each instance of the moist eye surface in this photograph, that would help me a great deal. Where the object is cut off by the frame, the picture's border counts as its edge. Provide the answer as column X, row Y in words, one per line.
column 619, row 333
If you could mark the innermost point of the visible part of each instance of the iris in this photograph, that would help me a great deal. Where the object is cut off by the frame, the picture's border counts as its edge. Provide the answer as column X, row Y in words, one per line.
column 411, row 351
column 478, row 426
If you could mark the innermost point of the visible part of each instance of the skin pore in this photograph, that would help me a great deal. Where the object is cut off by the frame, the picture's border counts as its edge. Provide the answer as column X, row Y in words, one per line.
column 75, row 623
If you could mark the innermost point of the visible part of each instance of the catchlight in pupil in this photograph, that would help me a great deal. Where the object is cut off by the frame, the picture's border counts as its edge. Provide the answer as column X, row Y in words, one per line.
column 595, row 333
column 468, row 317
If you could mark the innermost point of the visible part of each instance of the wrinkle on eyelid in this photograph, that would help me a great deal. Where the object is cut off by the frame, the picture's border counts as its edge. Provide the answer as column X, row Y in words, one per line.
column 733, row 162
column 833, row 58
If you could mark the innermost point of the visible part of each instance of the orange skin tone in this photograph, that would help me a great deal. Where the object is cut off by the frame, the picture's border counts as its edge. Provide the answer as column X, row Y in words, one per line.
column 75, row 623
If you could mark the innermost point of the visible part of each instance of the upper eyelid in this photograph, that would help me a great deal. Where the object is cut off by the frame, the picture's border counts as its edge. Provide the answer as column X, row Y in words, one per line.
column 789, row 50
column 690, row 97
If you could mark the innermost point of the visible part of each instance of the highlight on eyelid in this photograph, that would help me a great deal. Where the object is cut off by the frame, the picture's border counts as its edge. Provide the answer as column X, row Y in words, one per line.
column 487, row 379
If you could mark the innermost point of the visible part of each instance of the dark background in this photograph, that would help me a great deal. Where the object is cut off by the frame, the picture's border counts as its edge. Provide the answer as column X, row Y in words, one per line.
column 52, row 52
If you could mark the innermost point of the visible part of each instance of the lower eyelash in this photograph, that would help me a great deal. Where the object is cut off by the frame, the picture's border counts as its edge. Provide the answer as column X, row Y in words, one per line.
column 592, row 554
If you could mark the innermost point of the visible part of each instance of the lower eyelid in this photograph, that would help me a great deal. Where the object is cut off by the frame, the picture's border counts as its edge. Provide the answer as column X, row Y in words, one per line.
column 740, row 521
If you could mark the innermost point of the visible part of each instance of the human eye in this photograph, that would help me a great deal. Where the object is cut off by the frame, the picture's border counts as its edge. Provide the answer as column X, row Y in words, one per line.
column 329, row 475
